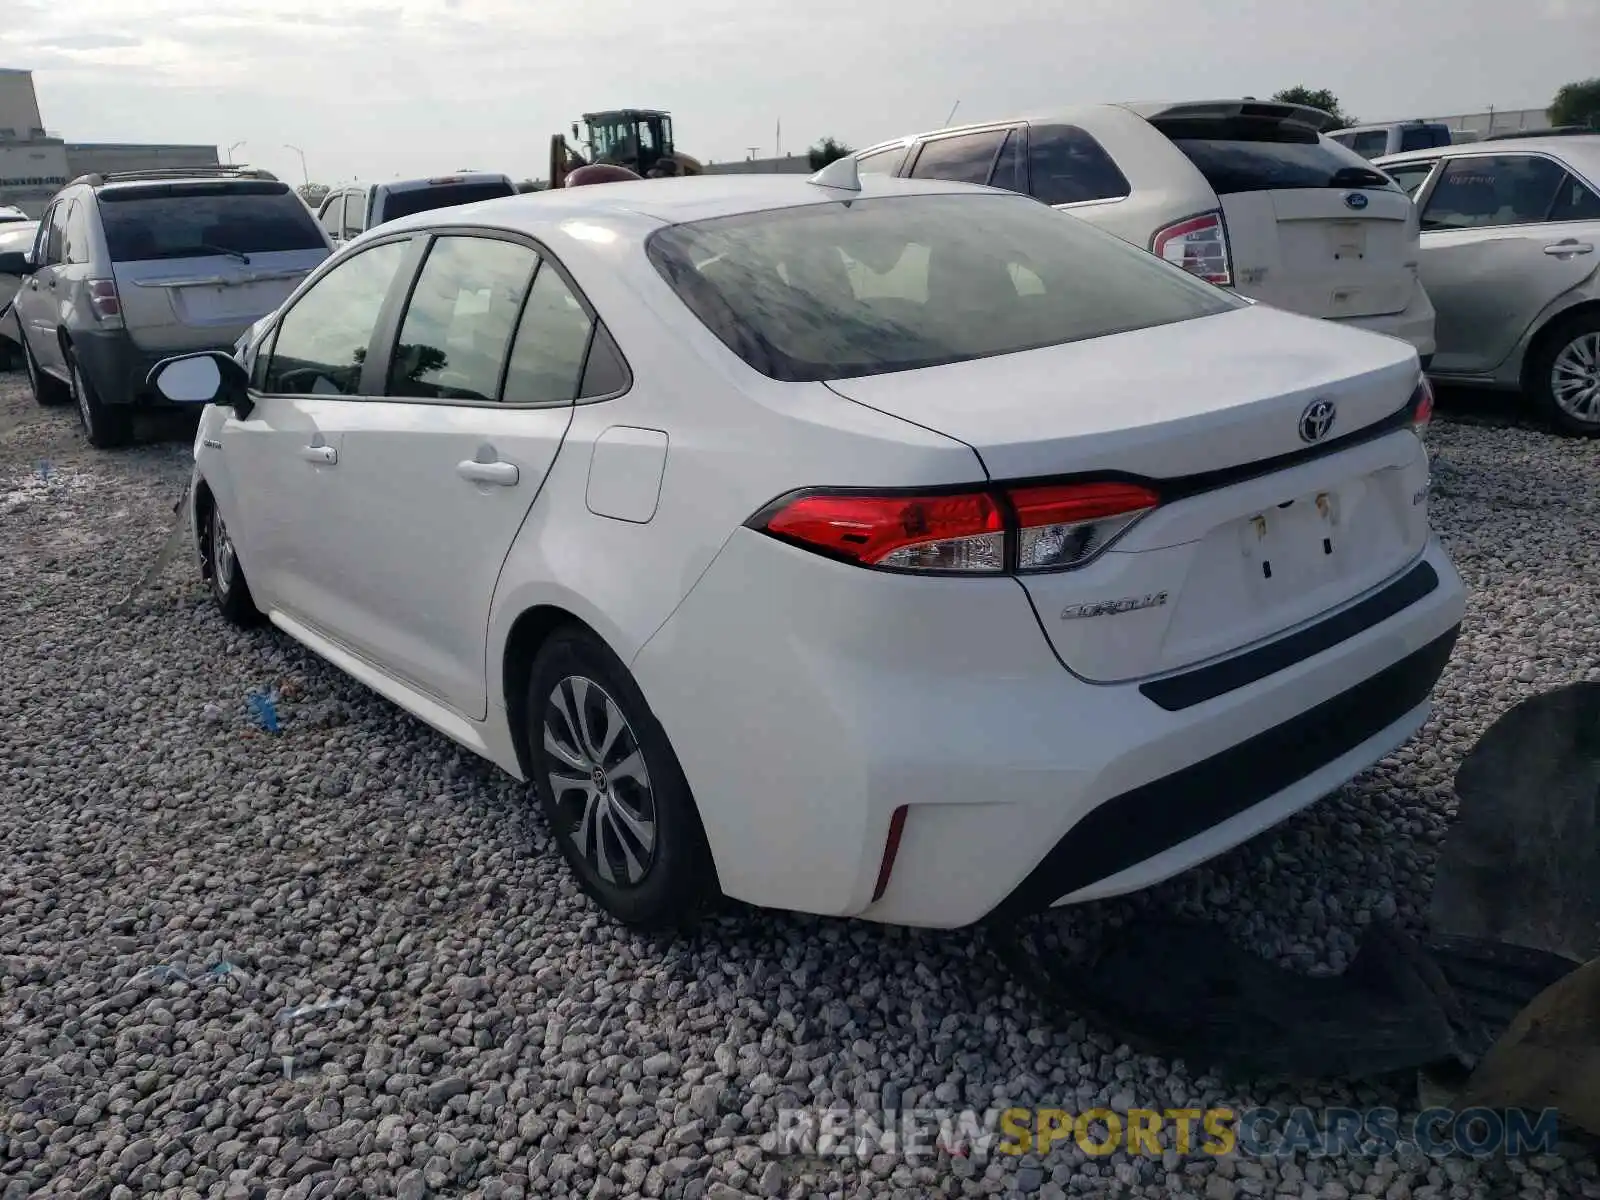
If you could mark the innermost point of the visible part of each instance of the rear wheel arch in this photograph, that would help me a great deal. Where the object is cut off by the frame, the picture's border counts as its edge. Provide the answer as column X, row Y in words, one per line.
column 532, row 628
column 1547, row 332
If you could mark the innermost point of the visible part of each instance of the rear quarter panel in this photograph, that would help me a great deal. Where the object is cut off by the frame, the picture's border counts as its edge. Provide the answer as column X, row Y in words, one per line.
column 736, row 440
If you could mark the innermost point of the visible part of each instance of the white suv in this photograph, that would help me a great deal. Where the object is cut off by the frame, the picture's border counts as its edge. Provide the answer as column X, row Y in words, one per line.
column 1242, row 193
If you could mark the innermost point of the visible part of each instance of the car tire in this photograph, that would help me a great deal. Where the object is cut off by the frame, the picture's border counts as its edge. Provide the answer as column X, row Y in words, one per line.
column 1564, row 375
column 612, row 790
column 107, row 426
column 47, row 389
column 229, row 588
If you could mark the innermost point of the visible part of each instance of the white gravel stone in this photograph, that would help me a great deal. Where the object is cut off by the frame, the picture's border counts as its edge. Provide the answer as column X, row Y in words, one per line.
column 495, row 1037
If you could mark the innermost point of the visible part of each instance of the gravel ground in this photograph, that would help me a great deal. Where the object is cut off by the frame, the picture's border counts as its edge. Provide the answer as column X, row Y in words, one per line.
column 484, row 1033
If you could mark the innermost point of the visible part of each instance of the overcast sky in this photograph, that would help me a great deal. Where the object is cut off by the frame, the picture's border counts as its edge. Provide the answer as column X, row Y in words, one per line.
column 373, row 89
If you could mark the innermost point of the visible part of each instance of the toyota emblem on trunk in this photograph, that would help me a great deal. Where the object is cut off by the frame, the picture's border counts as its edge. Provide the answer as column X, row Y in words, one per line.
column 1316, row 420
column 1356, row 200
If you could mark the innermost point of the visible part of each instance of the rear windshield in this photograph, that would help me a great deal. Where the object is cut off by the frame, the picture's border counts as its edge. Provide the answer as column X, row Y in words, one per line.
column 1424, row 137
column 832, row 291
column 193, row 220
column 1252, row 154
column 425, row 199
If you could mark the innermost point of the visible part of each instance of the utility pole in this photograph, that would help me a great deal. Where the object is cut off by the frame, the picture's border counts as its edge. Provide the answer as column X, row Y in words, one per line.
column 777, row 139
column 753, row 151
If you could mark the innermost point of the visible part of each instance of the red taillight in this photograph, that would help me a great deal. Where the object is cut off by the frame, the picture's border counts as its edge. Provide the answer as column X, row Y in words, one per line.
column 1034, row 528
column 1067, row 525
column 1199, row 245
column 1422, row 406
column 103, row 298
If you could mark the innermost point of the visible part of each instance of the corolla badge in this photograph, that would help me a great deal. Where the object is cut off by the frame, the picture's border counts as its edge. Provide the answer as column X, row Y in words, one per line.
column 1355, row 200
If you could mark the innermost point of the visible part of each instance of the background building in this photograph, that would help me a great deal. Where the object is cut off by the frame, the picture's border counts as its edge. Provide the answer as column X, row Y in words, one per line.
column 35, row 163
column 789, row 164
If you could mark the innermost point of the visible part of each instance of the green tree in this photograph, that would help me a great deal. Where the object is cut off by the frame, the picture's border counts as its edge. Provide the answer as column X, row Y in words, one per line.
column 826, row 151
column 1577, row 104
column 1316, row 98
column 313, row 193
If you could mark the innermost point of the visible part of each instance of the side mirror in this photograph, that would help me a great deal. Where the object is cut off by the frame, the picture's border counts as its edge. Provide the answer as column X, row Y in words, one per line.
column 210, row 377
column 15, row 262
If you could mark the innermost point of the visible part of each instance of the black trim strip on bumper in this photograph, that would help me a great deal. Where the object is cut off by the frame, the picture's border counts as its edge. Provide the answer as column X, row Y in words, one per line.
column 1177, row 692
column 1135, row 826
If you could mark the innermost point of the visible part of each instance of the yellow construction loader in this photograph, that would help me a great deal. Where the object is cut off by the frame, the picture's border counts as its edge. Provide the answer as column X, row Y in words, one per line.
column 637, row 138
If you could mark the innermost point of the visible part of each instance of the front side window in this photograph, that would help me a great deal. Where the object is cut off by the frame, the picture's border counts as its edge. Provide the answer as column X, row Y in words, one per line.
column 457, row 328
column 322, row 342
column 1575, row 201
column 965, row 158
column 355, row 213
column 56, row 241
column 835, row 290
column 1485, row 191
column 552, row 339
column 1069, row 167
column 331, row 218
column 41, row 237
column 881, row 162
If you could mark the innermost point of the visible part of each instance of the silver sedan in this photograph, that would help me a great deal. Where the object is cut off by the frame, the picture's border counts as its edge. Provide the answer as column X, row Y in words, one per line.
column 1508, row 256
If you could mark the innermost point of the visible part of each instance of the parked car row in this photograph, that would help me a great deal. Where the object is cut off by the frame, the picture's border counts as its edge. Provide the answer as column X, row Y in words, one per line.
column 1480, row 255
column 1508, row 256
column 828, row 543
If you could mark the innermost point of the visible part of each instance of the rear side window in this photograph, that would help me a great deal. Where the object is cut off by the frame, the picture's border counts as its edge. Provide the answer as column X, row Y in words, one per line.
column 1011, row 168
column 1256, row 154
column 331, row 218
column 552, row 339
column 196, row 220
column 965, row 158
column 1507, row 189
column 831, row 291
column 1069, row 167
column 457, row 328
column 446, row 195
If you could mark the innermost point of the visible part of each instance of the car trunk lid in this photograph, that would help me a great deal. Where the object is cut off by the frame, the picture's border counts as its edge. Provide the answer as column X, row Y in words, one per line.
column 1275, row 507
column 1312, row 226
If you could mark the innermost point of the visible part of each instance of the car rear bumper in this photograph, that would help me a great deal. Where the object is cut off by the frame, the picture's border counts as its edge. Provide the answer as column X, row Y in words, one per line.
column 808, row 701
column 118, row 369
column 1414, row 325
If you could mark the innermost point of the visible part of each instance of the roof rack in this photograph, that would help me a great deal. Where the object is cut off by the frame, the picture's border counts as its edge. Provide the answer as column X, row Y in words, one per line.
column 220, row 171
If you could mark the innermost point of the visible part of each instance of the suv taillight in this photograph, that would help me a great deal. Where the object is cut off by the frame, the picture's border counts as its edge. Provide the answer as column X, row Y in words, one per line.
column 1050, row 527
column 104, row 301
column 1199, row 245
column 1422, row 406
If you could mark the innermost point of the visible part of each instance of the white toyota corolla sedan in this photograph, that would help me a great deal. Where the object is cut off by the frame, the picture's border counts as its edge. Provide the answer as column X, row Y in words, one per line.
column 871, row 547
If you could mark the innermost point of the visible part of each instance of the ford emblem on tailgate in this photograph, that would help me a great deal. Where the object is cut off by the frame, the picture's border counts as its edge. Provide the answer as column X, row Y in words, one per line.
column 1317, row 420
column 1355, row 200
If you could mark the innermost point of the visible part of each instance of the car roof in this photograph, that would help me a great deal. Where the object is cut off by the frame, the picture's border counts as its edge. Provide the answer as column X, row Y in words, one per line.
column 1582, row 146
column 649, row 203
column 1148, row 109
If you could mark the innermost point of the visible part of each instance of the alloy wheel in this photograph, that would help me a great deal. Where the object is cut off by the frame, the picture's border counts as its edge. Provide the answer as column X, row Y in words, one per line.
column 599, row 782
column 1575, row 378
column 222, row 556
